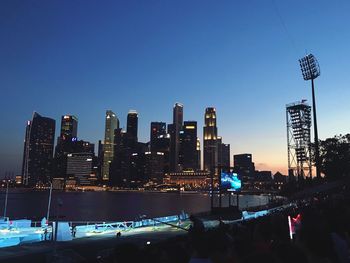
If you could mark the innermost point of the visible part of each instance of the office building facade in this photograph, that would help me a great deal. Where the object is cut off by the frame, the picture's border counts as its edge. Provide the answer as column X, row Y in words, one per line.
column 38, row 150
column 158, row 130
column 175, row 129
column 188, row 158
column 112, row 123
column 244, row 166
column 79, row 166
column 132, row 128
column 210, row 147
column 65, row 144
column 223, row 153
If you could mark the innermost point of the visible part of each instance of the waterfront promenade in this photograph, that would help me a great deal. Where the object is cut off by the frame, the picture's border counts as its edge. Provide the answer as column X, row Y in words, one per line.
column 87, row 249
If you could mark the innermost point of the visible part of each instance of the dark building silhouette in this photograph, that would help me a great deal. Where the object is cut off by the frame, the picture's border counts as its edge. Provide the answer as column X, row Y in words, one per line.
column 174, row 131
column 38, row 150
column 223, row 153
column 161, row 144
column 244, row 166
column 99, row 161
column 263, row 176
column 158, row 129
column 65, row 144
column 119, row 168
column 188, row 158
column 145, row 167
column 131, row 128
column 210, row 147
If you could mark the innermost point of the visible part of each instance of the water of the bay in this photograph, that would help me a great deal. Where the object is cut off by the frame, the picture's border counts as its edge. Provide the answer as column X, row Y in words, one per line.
column 110, row 206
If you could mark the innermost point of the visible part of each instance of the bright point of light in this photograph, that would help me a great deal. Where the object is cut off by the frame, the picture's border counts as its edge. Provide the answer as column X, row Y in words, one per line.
column 290, row 228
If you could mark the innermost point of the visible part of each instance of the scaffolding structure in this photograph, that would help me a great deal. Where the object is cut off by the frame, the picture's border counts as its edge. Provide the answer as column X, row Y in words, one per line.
column 299, row 139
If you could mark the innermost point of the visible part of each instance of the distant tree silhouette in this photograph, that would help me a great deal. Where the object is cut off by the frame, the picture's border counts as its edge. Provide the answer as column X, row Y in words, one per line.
column 335, row 157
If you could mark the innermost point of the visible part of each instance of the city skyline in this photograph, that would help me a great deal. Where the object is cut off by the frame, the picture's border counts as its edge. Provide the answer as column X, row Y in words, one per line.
column 241, row 58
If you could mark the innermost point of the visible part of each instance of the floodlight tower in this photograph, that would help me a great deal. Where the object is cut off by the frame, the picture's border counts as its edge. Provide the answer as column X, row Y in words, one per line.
column 299, row 139
column 311, row 70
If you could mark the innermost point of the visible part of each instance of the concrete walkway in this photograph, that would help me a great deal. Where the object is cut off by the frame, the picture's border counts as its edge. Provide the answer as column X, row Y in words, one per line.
column 85, row 249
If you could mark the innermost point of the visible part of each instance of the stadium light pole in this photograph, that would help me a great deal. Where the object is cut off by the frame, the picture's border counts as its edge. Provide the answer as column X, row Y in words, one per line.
column 7, row 193
column 311, row 70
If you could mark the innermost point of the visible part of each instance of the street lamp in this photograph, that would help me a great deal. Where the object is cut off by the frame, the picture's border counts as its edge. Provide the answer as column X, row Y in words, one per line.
column 7, row 192
column 49, row 203
column 311, row 70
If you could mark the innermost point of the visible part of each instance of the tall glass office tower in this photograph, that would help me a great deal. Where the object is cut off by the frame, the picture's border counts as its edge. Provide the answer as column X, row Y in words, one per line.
column 38, row 150
column 112, row 123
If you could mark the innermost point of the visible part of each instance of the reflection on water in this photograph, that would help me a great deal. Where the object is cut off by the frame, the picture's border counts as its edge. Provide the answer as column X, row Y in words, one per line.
column 108, row 206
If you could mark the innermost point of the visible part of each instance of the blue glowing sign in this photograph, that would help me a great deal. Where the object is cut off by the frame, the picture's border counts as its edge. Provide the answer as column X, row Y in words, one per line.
column 74, row 139
column 230, row 181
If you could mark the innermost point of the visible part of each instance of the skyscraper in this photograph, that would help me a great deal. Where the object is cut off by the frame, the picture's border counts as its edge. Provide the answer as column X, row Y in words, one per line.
column 188, row 146
column 65, row 143
column 157, row 129
column 198, row 153
column 244, row 166
column 38, row 150
column 79, row 165
column 69, row 128
column 223, row 153
column 131, row 127
column 175, row 136
column 210, row 134
column 112, row 123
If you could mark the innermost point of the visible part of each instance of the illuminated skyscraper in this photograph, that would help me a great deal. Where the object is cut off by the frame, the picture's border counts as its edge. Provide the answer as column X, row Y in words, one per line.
column 38, row 150
column 69, row 128
column 112, row 123
column 175, row 129
column 210, row 134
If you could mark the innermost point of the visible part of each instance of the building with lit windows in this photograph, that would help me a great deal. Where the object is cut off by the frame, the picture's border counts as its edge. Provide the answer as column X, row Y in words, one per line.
column 112, row 123
column 38, row 150
column 188, row 158
column 210, row 147
column 65, row 144
column 174, row 131
column 79, row 166
column 188, row 179
column 198, row 153
column 157, row 129
column 69, row 128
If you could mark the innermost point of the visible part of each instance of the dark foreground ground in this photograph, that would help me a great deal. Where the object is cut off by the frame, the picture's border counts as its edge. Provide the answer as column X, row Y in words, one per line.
column 91, row 249
column 320, row 225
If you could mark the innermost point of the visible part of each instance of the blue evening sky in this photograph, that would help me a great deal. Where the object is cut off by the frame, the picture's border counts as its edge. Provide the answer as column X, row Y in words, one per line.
column 83, row 57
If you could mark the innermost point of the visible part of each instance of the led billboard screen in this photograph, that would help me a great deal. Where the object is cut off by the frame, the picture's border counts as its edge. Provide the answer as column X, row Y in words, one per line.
column 230, row 181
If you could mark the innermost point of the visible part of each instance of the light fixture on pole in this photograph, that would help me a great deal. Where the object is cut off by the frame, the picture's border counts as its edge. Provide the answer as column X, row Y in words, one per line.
column 311, row 70
column 49, row 204
column 7, row 192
